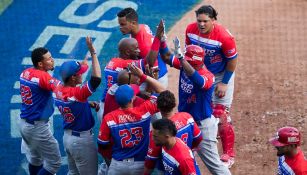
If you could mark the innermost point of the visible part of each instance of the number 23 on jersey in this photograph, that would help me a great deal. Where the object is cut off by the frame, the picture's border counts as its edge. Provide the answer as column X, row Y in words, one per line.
column 131, row 137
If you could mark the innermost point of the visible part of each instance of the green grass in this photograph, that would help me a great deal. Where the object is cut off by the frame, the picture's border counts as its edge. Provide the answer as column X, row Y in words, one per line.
column 4, row 4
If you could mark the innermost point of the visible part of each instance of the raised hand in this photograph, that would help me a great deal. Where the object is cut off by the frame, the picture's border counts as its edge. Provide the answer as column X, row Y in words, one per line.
column 90, row 45
column 135, row 70
column 160, row 29
column 177, row 51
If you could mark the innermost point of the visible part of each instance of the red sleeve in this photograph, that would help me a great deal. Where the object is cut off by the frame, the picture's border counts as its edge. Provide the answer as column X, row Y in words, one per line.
column 229, row 47
column 83, row 92
column 175, row 63
column 47, row 82
column 153, row 153
column 208, row 78
column 187, row 167
column 197, row 136
column 104, row 134
column 150, row 105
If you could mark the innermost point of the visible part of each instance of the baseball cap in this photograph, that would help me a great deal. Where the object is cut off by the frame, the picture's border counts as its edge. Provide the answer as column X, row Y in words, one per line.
column 286, row 136
column 125, row 93
column 70, row 68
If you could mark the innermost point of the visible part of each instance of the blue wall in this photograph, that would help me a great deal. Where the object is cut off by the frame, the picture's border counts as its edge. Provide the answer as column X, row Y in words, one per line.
column 29, row 24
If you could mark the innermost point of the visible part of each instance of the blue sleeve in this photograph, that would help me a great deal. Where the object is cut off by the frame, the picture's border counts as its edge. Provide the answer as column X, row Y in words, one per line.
column 197, row 79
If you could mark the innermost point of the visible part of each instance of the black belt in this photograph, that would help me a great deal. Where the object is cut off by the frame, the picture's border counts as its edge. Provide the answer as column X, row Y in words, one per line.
column 33, row 122
column 79, row 133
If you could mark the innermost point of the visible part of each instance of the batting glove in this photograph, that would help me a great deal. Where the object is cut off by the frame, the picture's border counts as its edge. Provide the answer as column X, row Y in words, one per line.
column 177, row 51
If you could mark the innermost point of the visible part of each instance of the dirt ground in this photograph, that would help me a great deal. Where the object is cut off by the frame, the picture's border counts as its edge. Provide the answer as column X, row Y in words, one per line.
column 271, row 77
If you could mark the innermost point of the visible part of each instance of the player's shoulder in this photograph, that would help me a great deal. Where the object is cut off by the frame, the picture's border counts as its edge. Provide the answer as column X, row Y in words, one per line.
column 192, row 27
column 222, row 31
column 35, row 75
column 145, row 28
column 66, row 93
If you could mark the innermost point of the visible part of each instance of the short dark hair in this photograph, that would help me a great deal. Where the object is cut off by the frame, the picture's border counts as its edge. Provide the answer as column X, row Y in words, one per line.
column 129, row 13
column 37, row 55
column 166, row 101
column 208, row 10
column 165, row 125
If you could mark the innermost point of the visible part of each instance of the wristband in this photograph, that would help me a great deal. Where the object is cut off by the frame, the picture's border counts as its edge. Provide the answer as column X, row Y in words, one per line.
column 227, row 76
column 155, row 44
column 163, row 51
column 143, row 78
column 163, row 45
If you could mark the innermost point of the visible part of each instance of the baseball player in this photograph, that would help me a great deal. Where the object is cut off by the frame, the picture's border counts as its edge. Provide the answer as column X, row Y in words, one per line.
column 195, row 94
column 128, row 127
column 187, row 129
column 71, row 100
column 128, row 24
column 36, row 86
column 291, row 159
column 129, row 53
column 221, row 60
column 124, row 77
column 177, row 158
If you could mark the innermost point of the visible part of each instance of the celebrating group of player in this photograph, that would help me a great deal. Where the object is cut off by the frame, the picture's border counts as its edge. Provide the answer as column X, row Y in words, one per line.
column 140, row 130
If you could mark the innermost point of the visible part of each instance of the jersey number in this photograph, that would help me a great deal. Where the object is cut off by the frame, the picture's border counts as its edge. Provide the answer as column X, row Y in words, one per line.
column 26, row 94
column 110, row 81
column 66, row 113
column 184, row 138
column 131, row 137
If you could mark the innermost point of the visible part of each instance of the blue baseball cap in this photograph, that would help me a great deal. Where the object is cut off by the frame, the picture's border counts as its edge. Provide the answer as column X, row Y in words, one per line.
column 70, row 68
column 125, row 93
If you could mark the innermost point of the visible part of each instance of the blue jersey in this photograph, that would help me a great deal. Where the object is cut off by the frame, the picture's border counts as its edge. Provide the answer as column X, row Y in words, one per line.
column 193, row 98
column 187, row 131
column 179, row 160
column 36, row 92
column 129, row 129
column 74, row 107
column 219, row 46
column 112, row 69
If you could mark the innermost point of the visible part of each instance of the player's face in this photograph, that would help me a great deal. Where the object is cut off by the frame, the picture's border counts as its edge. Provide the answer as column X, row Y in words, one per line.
column 124, row 25
column 134, row 50
column 47, row 62
column 78, row 78
column 204, row 23
column 282, row 150
column 158, row 138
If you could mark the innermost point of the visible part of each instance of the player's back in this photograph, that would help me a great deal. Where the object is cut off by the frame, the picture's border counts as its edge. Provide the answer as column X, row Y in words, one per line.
column 179, row 160
column 36, row 94
column 112, row 69
column 130, row 130
column 186, row 129
column 74, row 107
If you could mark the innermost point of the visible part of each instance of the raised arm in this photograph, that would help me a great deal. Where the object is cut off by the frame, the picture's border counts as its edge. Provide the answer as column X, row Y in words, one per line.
column 153, row 53
column 96, row 71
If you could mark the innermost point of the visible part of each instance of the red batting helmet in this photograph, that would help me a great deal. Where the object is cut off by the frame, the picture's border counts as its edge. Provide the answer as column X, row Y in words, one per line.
column 194, row 55
column 286, row 136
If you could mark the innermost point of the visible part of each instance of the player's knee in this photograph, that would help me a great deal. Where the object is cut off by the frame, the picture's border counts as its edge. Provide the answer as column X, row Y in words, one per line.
column 222, row 112
column 35, row 161
column 53, row 166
